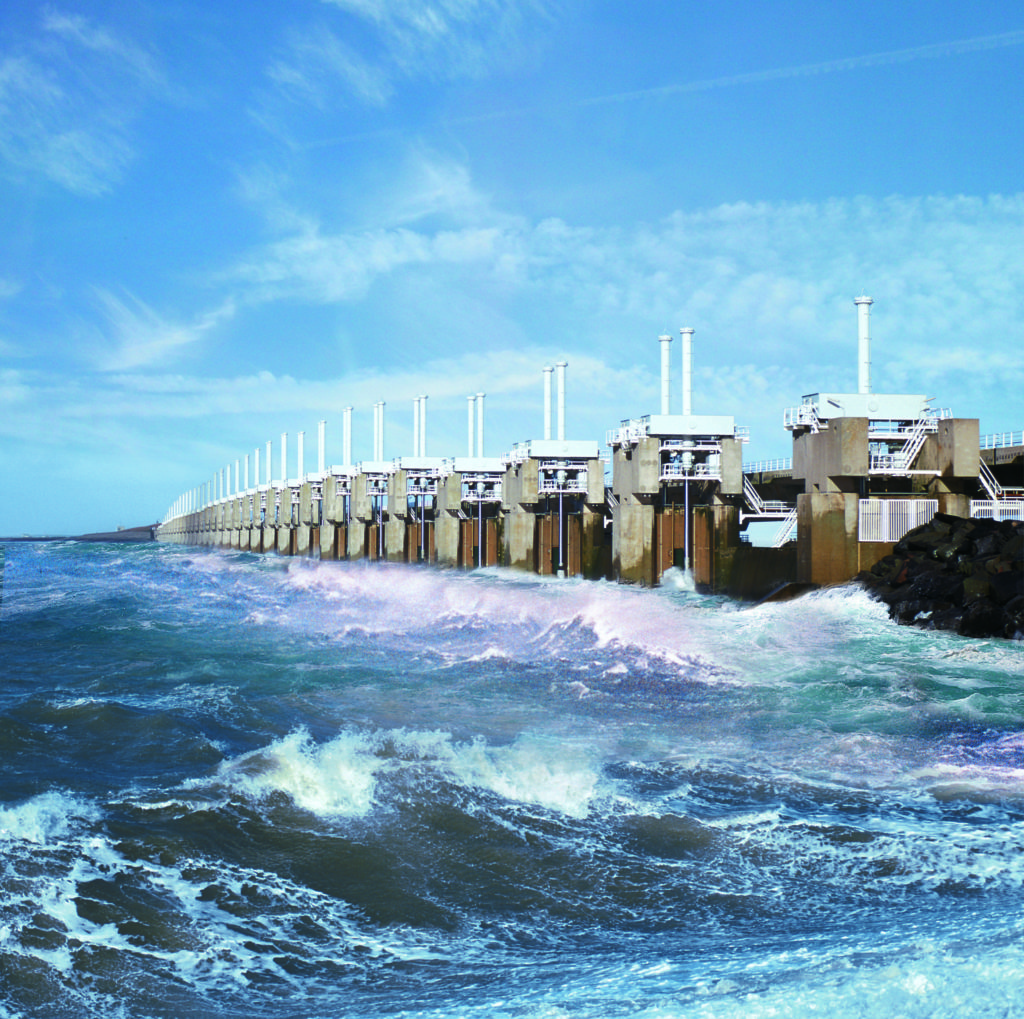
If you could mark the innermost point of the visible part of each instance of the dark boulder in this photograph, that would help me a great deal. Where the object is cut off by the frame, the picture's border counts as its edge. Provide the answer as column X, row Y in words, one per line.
column 955, row 574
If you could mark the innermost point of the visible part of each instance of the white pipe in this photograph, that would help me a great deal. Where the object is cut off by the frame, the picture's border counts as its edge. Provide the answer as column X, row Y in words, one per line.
column 471, row 403
column 237, row 479
column 321, row 442
column 247, row 472
column 346, row 438
column 416, row 426
column 479, row 424
column 423, row 425
column 383, row 404
column 547, row 401
column 687, row 334
column 666, row 374
column 269, row 459
column 302, row 456
column 376, row 429
column 863, row 343
column 561, row 366
column 284, row 457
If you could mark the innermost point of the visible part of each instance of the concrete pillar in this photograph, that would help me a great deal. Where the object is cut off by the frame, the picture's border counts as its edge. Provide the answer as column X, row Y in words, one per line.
column 716, row 540
column 633, row 542
column 304, row 528
column 520, row 539
column 595, row 560
column 446, row 523
column 827, row 538
column 395, row 545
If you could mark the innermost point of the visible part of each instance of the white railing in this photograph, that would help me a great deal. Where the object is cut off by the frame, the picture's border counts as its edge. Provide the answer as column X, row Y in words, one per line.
column 804, row 416
column 997, row 440
column 998, row 509
column 754, row 500
column 891, row 519
column 551, row 486
column 783, row 463
column 787, row 531
column 481, row 487
column 628, row 433
column 901, row 462
column 988, row 481
column 695, row 472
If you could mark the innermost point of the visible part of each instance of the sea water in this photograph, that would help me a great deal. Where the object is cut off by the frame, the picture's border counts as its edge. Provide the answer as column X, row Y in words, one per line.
column 250, row 786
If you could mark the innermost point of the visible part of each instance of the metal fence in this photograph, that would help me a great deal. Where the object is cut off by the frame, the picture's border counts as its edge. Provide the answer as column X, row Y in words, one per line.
column 997, row 440
column 784, row 463
column 998, row 509
column 890, row 519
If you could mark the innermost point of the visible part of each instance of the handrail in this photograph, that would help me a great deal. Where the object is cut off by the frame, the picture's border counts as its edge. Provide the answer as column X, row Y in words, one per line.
column 782, row 463
column 997, row 440
column 989, row 482
column 786, row 530
column 754, row 500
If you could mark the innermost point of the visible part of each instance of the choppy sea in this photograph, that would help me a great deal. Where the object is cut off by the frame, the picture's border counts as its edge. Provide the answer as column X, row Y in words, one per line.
column 245, row 786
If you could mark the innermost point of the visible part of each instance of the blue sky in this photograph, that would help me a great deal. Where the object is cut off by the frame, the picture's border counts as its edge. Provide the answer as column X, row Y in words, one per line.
column 219, row 222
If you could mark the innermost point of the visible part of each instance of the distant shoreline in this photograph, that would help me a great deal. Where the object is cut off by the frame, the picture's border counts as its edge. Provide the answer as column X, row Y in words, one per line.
column 126, row 534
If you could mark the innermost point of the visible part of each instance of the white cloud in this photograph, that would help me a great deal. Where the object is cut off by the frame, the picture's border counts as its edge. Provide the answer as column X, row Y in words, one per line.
column 141, row 337
column 81, row 32
column 67, row 102
column 317, row 62
column 450, row 38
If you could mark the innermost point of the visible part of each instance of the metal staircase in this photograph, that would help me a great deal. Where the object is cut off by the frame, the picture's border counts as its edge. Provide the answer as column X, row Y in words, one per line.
column 785, row 532
column 763, row 509
column 908, row 454
column 988, row 481
column 901, row 461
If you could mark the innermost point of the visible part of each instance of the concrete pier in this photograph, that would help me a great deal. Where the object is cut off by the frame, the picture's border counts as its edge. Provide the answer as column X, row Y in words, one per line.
column 554, row 506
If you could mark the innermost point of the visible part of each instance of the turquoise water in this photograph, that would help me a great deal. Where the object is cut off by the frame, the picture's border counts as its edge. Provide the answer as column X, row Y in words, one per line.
column 246, row 786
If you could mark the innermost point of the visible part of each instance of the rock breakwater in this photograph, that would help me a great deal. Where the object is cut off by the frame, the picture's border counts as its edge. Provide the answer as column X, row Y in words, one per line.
column 956, row 573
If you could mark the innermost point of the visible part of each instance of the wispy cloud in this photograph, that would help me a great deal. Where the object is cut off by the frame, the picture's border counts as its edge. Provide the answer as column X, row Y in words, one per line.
column 449, row 38
column 81, row 32
column 141, row 337
column 67, row 102
column 318, row 68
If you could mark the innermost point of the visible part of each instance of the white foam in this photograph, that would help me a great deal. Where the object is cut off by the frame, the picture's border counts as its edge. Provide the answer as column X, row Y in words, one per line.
column 523, row 616
column 546, row 773
column 43, row 819
column 332, row 779
column 342, row 778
